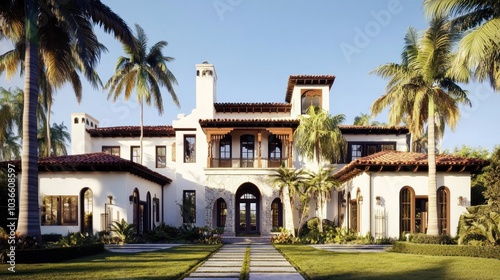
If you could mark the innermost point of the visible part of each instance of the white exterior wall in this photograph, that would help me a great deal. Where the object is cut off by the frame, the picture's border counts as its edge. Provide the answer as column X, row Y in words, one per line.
column 120, row 185
column 400, row 140
column 388, row 185
column 81, row 143
column 296, row 98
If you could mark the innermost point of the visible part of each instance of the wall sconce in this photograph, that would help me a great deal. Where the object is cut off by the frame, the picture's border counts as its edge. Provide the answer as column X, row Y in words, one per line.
column 344, row 203
column 110, row 200
column 461, row 201
column 131, row 199
column 378, row 198
column 360, row 200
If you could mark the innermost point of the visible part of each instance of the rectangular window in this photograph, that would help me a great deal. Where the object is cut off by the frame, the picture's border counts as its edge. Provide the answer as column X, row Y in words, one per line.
column 135, row 154
column 189, row 207
column 59, row 210
column 189, row 148
column 358, row 150
column 161, row 156
column 112, row 150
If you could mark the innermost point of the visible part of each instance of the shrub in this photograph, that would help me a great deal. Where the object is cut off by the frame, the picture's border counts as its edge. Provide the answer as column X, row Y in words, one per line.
column 77, row 239
column 447, row 250
column 124, row 231
column 284, row 237
column 422, row 238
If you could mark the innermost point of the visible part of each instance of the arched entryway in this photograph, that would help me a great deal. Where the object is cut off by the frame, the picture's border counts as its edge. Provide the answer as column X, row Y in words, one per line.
column 247, row 209
column 86, row 210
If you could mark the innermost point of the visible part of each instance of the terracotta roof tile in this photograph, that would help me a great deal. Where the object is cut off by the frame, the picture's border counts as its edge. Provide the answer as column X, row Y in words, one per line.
column 249, row 122
column 361, row 129
column 132, row 131
column 94, row 162
column 406, row 161
column 307, row 80
column 253, row 107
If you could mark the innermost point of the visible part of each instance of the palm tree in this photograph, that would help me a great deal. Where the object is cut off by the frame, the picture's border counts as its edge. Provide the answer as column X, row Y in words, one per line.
column 10, row 147
column 364, row 120
column 421, row 86
column 59, row 138
column 319, row 138
column 479, row 49
column 145, row 72
column 322, row 182
column 19, row 22
column 288, row 181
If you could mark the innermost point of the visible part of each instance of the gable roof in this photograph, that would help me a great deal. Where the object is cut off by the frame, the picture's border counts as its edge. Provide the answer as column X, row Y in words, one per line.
column 396, row 161
column 307, row 80
column 132, row 131
column 94, row 162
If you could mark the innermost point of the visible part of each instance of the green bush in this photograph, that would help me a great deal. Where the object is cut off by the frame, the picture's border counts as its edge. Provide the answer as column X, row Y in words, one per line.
column 49, row 255
column 283, row 237
column 447, row 250
column 422, row 238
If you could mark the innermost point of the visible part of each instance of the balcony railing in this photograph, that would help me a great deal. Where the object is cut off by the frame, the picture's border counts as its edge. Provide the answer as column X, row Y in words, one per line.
column 247, row 163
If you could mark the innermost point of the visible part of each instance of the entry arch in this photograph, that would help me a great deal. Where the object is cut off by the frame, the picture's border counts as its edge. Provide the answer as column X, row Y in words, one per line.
column 248, row 206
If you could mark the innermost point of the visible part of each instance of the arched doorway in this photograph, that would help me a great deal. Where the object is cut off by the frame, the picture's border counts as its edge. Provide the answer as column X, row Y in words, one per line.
column 247, row 209
column 86, row 210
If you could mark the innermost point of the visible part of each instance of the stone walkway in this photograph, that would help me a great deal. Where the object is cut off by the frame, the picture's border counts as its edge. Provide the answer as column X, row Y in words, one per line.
column 265, row 263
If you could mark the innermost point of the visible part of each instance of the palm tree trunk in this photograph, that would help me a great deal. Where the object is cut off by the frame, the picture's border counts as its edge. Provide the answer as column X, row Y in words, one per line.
column 432, row 226
column 142, row 129
column 320, row 211
column 29, row 216
column 288, row 210
column 49, row 105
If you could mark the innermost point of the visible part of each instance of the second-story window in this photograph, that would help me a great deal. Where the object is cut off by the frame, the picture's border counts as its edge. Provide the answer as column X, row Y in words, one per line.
column 358, row 150
column 161, row 156
column 135, row 154
column 310, row 98
column 225, row 151
column 275, row 151
column 247, row 150
column 112, row 150
column 189, row 148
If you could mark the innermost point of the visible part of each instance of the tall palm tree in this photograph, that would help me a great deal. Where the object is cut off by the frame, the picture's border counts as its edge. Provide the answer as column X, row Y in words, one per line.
column 322, row 183
column 421, row 86
column 10, row 147
column 145, row 72
column 479, row 49
column 289, row 182
column 59, row 138
column 33, row 22
column 364, row 120
column 319, row 138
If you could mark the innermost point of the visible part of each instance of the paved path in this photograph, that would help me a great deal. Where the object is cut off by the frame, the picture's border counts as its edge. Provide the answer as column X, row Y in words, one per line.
column 266, row 263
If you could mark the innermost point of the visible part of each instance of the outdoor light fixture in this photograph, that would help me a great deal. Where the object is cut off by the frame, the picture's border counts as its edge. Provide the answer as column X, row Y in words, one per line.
column 360, row 200
column 344, row 203
column 461, row 201
column 110, row 197
column 379, row 200
column 131, row 199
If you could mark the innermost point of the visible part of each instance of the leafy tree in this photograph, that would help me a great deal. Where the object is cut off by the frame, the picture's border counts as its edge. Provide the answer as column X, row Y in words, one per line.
column 419, row 88
column 288, row 181
column 59, row 137
column 145, row 72
column 479, row 49
column 364, row 120
column 492, row 181
column 33, row 22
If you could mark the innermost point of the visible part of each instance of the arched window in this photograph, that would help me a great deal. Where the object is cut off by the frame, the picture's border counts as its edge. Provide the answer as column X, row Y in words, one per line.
column 407, row 210
column 277, row 213
column 225, row 151
column 221, row 212
column 136, row 211
column 247, row 150
column 275, row 151
column 75, row 120
column 310, row 98
column 86, row 210
column 443, row 204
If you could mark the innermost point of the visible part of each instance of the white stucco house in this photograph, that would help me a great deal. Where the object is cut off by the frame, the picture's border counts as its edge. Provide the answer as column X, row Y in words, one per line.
column 215, row 163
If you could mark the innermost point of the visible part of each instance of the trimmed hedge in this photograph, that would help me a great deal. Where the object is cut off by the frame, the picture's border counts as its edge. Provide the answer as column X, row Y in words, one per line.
column 50, row 255
column 447, row 250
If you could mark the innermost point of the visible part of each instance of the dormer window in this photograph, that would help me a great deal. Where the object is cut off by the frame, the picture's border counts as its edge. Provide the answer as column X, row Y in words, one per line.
column 310, row 98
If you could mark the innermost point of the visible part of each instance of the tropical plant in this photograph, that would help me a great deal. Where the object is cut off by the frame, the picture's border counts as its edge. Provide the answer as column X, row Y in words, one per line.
column 364, row 120
column 59, row 137
column 322, row 183
column 421, row 86
column 319, row 137
column 480, row 226
column 288, row 181
column 492, row 181
column 123, row 231
column 145, row 72
column 479, row 49
column 33, row 22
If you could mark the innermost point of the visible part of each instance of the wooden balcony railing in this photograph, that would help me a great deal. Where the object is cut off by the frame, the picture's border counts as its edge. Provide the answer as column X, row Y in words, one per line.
column 247, row 163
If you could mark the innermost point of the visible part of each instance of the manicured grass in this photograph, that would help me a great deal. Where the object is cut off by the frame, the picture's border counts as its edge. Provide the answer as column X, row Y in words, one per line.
column 320, row 264
column 171, row 263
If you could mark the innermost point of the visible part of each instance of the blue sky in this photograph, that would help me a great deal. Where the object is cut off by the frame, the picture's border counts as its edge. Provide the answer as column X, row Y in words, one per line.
column 255, row 45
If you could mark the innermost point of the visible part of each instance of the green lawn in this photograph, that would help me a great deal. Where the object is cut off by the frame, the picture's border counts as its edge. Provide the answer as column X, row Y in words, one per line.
column 320, row 264
column 165, row 264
